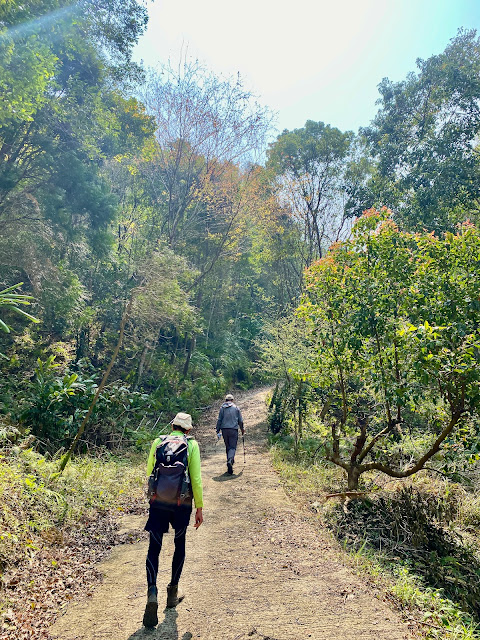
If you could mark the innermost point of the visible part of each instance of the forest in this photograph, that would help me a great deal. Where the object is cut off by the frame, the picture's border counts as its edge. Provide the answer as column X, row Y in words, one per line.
column 161, row 244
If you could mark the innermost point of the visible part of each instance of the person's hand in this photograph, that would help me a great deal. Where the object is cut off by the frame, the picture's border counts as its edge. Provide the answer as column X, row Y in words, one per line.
column 219, row 434
column 198, row 517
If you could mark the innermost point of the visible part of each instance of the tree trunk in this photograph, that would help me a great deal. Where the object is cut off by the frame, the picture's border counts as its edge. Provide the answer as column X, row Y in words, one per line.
column 193, row 340
column 353, row 478
column 65, row 458
column 141, row 365
column 190, row 350
column 300, row 409
column 173, row 354
column 212, row 308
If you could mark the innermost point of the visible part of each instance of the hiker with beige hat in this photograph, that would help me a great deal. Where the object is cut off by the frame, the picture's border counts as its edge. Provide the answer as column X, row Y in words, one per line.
column 175, row 478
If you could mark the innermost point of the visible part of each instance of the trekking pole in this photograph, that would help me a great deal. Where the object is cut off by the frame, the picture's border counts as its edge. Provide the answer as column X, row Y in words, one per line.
column 243, row 439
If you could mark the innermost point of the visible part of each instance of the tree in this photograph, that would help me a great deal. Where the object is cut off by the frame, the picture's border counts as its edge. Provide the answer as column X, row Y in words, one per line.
column 63, row 116
column 311, row 165
column 60, row 112
column 100, row 195
column 208, row 129
column 288, row 355
column 157, row 299
column 395, row 319
column 161, row 304
column 425, row 140
column 204, row 125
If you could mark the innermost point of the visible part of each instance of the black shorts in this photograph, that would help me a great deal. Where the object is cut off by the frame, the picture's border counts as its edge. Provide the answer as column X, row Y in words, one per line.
column 159, row 518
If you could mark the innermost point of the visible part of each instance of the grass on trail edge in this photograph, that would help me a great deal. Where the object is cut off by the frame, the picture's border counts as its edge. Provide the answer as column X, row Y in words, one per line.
column 432, row 615
column 54, row 529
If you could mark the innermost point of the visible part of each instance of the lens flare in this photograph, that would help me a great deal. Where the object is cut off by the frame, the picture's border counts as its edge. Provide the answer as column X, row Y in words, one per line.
column 37, row 25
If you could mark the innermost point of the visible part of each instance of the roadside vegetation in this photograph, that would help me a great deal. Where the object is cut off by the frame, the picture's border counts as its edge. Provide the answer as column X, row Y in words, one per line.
column 416, row 541
column 375, row 411
column 37, row 507
column 53, row 529
column 381, row 381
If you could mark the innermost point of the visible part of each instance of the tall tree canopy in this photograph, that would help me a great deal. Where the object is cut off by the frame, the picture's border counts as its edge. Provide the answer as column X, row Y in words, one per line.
column 204, row 125
column 63, row 115
column 425, row 140
column 311, row 165
column 151, row 219
column 60, row 113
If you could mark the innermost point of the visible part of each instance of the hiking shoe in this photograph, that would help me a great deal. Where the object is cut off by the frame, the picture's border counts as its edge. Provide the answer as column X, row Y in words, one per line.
column 172, row 596
column 150, row 618
column 229, row 468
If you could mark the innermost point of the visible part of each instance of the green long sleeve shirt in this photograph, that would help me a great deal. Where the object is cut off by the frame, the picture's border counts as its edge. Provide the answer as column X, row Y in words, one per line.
column 194, row 469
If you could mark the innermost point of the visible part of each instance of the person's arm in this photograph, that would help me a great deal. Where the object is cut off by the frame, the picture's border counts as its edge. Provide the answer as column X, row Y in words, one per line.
column 195, row 473
column 220, row 420
column 151, row 456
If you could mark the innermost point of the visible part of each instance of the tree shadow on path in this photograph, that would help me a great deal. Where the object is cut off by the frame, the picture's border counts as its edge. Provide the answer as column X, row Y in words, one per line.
column 166, row 630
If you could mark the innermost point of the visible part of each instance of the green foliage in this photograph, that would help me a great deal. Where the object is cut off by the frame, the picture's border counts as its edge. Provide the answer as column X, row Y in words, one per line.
column 61, row 114
column 304, row 481
column 405, row 538
column 425, row 140
column 312, row 164
column 288, row 354
column 10, row 299
column 441, row 616
column 394, row 320
column 411, row 527
column 103, row 197
column 278, row 409
column 305, row 151
column 52, row 402
column 57, row 399
column 34, row 506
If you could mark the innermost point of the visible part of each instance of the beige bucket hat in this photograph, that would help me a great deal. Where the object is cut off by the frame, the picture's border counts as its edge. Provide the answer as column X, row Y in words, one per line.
column 183, row 420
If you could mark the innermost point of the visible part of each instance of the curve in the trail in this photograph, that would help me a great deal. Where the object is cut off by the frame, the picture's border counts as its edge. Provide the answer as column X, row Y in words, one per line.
column 256, row 569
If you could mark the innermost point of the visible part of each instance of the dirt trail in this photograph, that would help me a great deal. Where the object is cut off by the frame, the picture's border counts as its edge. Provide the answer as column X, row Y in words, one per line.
column 255, row 569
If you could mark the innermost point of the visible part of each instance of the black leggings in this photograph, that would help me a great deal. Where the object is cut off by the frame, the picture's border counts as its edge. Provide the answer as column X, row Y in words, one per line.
column 153, row 554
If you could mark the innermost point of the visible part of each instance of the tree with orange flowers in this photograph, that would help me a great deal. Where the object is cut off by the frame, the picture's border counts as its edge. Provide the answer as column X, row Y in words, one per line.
column 395, row 318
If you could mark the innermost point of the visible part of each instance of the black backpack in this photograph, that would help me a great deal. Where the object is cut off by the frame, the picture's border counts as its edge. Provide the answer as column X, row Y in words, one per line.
column 169, row 482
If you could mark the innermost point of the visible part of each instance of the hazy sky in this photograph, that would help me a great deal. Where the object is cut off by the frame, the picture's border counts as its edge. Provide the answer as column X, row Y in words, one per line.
column 307, row 59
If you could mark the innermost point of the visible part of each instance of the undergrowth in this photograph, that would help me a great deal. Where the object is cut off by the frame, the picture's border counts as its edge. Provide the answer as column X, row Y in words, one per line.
column 37, row 506
column 415, row 540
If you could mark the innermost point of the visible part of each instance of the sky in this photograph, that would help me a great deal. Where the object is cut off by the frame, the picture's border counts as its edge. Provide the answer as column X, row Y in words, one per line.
column 306, row 59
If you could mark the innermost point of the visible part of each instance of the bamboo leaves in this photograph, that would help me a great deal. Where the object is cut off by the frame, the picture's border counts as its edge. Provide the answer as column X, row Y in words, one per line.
column 12, row 300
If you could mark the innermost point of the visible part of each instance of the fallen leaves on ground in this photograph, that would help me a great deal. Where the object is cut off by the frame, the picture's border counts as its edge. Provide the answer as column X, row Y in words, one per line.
column 61, row 569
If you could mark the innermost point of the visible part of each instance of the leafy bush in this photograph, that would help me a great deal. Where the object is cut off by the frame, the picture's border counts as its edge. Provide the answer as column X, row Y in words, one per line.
column 278, row 409
column 412, row 526
column 55, row 403
column 388, row 330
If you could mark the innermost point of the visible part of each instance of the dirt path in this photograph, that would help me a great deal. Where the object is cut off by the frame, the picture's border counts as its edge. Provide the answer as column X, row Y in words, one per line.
column 255, row 569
